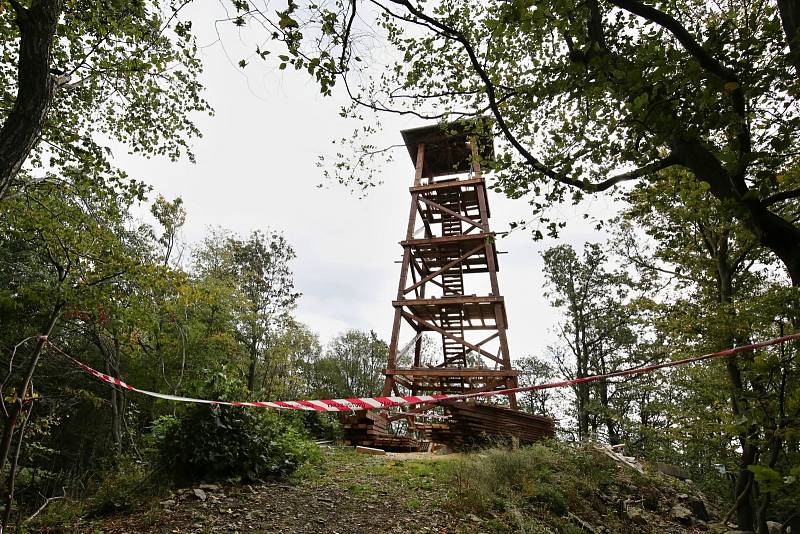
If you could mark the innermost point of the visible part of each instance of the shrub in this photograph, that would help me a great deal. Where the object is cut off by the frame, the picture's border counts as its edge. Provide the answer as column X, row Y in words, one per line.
column 207, row 442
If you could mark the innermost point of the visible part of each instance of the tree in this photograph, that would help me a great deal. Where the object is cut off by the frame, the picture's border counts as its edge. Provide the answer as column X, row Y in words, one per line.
column 352, row 366
column 725, row 293
column 72, row 70
column 533, row 371
column 63, row 249
column 586, row 97
column 260, row 266
column 171, row 216
column 596, row 328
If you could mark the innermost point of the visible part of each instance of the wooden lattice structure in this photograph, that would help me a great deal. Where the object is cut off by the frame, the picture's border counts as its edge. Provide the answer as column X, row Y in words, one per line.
column 448, row 278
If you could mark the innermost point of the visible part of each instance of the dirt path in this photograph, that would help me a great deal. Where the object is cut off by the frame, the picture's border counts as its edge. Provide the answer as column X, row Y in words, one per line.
column 346, row 494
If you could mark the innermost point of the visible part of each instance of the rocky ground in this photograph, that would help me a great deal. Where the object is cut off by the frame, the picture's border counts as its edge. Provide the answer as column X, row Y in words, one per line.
column 349, row 494
column 396, row 494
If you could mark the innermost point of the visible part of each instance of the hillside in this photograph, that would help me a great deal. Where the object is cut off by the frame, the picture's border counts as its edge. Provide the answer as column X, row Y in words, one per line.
column 541, row 489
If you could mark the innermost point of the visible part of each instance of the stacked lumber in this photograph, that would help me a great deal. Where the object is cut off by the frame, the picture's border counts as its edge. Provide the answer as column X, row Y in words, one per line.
column 371, row 429
column 436, row 432
column 477, row 423
column 364, row 425
column 395, row 443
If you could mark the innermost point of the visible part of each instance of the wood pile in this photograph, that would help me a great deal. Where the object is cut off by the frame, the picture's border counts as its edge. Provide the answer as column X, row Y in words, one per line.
column 472, row 424
column 436, row 432
column 477, row 423
column 371, row 429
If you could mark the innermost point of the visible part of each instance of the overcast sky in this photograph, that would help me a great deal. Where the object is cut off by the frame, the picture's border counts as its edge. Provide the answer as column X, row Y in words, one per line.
column 256, row 169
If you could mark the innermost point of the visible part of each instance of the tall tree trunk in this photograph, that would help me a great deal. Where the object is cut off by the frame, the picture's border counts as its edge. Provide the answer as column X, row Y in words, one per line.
column 790, row 19
column 251, row 375
column 116, row 416
column 11, row 420
column 35, row 85
column 745, row 486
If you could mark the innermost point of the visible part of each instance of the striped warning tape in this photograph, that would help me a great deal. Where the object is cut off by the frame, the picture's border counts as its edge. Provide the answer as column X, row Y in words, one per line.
column 371, row 403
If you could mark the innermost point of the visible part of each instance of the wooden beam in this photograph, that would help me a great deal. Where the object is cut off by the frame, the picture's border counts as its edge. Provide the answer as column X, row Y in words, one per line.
column 476, row 159
column 446, row 240
column 437, row 372
column 448, row 184
column 420, row 164
column 449, row 301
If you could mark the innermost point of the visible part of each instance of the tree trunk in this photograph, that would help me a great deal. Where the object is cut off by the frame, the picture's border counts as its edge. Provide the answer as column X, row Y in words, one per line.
column 116, row 416
column 790, row 19
column 251, row 375
column 35, row 85
column 746, row 485
column 16, row 409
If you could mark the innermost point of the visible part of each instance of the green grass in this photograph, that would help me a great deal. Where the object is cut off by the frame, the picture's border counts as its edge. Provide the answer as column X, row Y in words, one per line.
column 414, row 504
column 541, row 487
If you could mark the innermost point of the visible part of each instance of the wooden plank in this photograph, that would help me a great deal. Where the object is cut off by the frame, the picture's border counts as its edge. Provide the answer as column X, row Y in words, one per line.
column 448, row 184
column 369, row 450
column 420, row 164
column 446, row 239
column 449, row 301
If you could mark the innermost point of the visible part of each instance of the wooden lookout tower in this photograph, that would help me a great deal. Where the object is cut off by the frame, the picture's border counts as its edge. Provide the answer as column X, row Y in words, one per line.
column 448, row 279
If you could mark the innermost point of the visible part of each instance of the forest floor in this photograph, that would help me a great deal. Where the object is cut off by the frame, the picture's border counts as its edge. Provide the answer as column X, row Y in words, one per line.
column 540, row 491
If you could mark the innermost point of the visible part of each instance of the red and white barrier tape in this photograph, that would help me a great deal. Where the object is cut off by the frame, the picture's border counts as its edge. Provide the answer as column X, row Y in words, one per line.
column 371, row 403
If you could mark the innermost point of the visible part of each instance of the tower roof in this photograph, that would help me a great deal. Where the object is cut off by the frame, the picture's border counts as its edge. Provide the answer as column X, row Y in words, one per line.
column 446, row 148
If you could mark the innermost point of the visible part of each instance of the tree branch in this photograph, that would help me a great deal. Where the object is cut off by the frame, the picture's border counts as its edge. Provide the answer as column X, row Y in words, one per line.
column 783, row 195
column 493, row 105
column 706, row 60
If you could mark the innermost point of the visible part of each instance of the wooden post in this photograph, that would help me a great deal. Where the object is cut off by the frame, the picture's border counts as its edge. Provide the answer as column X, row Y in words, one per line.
column 389, row 385
column 420, row 164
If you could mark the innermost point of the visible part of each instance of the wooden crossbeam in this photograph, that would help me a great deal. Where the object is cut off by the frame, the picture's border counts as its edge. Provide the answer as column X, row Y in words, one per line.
column 450, row 372
column 473, row 182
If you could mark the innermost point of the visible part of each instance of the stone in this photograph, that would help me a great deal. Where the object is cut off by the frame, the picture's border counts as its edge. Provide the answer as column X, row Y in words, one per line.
column 698, row 508
column 474, row 518
column 370, row 450
column 209, row 487
column 681, row 514
column 773, row 527
column 200, row 494
column 673, row 471
column 168, row 503
column 635, row 515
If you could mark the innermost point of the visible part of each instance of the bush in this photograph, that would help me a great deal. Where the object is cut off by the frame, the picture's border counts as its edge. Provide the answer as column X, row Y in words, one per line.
column 207, row 442
column 322, row 425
